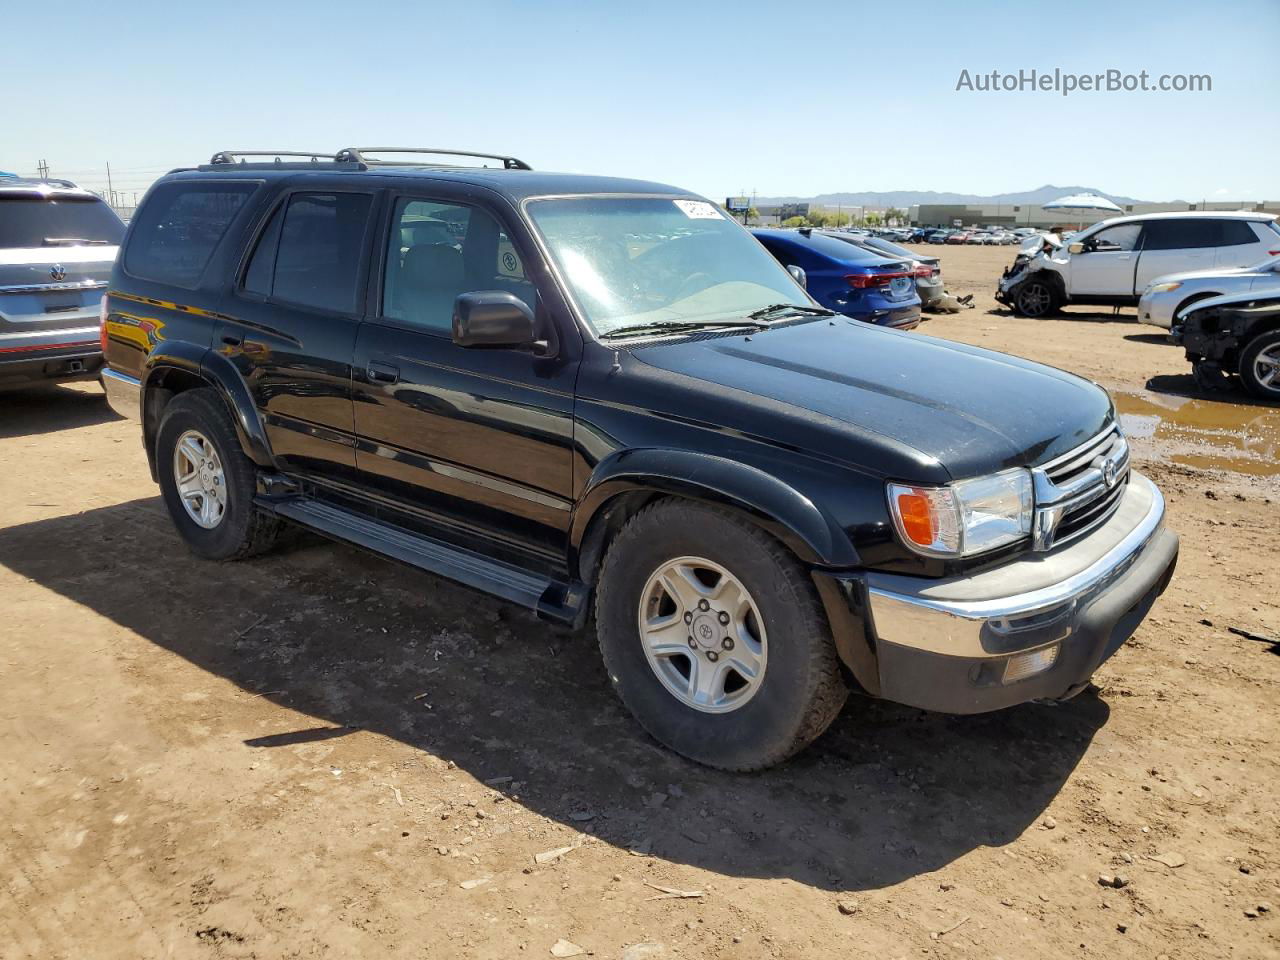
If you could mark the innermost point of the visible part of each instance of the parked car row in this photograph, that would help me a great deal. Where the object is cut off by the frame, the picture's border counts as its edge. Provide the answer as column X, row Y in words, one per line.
column 589, row 395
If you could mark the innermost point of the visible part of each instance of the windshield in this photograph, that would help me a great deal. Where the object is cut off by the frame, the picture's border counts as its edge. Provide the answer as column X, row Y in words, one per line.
column 636, row 261
column 32, row 221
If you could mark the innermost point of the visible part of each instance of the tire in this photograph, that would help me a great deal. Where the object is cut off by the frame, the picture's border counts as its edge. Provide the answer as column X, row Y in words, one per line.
column 236, row 529
column 799, row 689
column 1260, row 365
column 1037, row 298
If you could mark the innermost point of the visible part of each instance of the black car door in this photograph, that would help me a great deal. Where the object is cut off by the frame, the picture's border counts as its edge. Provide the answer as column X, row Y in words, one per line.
column 299, row 300
column 473, row 444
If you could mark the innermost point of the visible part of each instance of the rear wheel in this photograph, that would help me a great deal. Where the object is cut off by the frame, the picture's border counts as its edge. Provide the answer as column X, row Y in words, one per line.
column 207, row 482
column 714, row 638
column 1260, row 365
column 1037, row 298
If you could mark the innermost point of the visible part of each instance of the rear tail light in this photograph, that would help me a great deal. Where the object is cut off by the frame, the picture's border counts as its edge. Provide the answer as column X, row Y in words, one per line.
column 866, row 281
column 926, row 271
column 102, row 324
column 1273, row 253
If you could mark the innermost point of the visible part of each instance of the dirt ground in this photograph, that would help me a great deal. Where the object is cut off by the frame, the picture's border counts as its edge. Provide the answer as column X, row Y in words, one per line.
column 321, row 754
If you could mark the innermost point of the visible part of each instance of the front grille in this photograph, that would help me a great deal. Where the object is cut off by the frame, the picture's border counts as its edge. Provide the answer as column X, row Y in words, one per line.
column 1081, row 489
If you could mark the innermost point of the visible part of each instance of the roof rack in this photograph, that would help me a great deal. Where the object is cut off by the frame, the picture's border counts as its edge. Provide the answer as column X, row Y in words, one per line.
column 228, row 156
column 357, row 155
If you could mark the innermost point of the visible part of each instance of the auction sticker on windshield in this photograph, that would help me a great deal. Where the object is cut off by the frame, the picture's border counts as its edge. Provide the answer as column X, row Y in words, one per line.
column 698, row 210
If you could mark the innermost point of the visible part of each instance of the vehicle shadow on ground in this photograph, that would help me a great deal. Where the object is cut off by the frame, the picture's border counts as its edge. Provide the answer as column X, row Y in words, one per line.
column 1158, row 338
column 1076, row 315
column 1184, row 385
column 29, row 413
column 356, row 642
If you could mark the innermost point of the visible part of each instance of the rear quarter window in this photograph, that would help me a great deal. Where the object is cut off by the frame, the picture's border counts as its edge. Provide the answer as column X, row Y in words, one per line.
column 177, row 229
column 1237, row 232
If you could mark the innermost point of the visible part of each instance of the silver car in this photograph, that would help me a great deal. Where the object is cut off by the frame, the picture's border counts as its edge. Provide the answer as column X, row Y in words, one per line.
column 1167, row 296
column 57, row 245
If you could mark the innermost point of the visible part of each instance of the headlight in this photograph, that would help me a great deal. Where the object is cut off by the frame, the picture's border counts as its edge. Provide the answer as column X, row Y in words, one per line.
column 964, row 518
column 1164, row 287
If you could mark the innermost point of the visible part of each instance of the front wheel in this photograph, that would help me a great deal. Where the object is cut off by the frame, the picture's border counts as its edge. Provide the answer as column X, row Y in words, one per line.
column 1260, row 365
column 714, row 638
column 207, row 482
column 1037, row 298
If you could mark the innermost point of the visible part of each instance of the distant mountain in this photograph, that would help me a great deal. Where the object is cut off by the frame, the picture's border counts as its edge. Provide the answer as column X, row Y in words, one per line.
column 908, row 198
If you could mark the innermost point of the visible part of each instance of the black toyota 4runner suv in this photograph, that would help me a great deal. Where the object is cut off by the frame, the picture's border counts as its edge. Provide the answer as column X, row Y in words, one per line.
column 593, row 395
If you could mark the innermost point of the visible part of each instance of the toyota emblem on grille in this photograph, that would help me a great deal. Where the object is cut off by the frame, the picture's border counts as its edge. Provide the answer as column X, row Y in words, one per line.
column 1109, row 472
column 58, row 273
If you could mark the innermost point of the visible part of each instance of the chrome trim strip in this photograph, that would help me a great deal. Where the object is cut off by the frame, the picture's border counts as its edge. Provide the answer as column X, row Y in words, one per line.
column 1115, row 561
column 53, row 287
column 123, row 393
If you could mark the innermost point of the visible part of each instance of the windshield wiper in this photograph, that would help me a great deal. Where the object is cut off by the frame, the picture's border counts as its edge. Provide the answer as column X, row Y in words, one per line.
column 775, row 310
column 61, row 241
column 680, row 326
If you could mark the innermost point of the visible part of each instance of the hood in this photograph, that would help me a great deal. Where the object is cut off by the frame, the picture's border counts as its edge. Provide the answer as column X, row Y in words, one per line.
column 971, row 410
column 1203, row 274
column 1267, row 297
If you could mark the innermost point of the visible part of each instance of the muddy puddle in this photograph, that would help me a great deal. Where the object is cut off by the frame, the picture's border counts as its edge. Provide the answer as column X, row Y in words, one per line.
column 1213, row 435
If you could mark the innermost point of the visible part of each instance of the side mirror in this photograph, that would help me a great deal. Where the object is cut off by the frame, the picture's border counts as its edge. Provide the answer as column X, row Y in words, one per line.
column 494, row 318
column 1075, row 248
column 799, row 275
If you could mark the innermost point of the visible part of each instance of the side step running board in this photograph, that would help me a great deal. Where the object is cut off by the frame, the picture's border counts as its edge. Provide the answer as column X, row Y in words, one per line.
column 551, row 599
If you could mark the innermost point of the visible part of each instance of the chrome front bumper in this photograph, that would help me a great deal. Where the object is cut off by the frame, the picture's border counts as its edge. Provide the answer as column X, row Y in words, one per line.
column 1036, row 627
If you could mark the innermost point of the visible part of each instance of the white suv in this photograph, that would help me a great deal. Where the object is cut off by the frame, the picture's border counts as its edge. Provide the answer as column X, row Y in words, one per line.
column 1112, row 262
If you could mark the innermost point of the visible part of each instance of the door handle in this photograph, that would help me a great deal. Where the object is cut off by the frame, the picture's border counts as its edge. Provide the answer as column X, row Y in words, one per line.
column 382, row 372
column 231, row 340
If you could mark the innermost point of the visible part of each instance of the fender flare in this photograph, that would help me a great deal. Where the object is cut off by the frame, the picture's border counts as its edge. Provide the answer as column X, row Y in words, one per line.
column 776, row 506
column 223, row 377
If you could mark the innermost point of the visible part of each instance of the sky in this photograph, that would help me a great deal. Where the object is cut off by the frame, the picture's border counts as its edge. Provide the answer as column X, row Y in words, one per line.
column 720, row 98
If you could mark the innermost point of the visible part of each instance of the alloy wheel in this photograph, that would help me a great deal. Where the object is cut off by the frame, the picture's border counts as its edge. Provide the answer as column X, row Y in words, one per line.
column 703, row 635
column 201, row 480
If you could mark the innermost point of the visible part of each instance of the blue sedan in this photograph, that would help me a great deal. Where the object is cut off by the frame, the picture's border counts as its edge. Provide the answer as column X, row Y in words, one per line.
column 848, row 279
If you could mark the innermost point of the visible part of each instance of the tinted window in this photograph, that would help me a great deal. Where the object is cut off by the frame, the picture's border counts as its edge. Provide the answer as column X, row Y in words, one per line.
column 177, row 228
column 319, row 252
column 439, row 250
column 31, row 221
column 1235, row 232
column 1181, row 234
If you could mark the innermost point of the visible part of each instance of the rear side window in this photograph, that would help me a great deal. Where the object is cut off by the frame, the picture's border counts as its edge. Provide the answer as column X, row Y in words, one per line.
column 176, row 230
column 310, row 252
column 1181, row 234
column 1236, row 232
column 32, row 221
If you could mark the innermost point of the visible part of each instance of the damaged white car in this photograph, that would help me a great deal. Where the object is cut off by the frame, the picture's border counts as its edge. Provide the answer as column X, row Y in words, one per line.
column 1112, row 262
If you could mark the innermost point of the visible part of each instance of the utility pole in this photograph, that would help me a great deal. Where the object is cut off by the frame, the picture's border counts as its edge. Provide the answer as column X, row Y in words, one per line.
column 43, row 169
column 110, row 189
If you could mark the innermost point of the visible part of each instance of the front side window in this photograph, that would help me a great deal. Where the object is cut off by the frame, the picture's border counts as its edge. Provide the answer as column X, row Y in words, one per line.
column 635, row 261
column 310, row 252
column 1116, row 239
column 178, row 227
column 438, row 250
